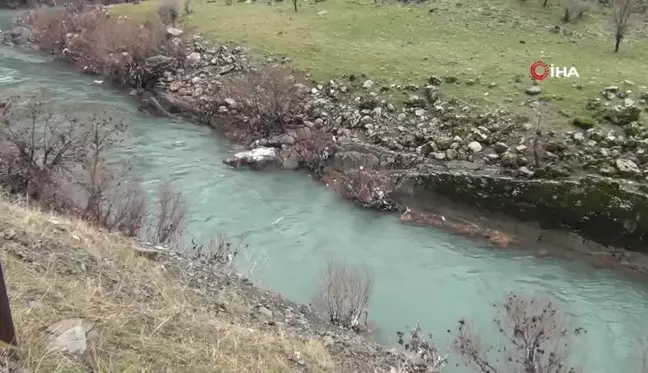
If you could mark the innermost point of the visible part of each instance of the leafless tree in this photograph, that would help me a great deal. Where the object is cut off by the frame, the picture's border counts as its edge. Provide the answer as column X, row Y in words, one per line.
column 576, row 9
column 188, row 7
column 343, row 295
column 535, row 340
column 622, row 12
column 169, row 224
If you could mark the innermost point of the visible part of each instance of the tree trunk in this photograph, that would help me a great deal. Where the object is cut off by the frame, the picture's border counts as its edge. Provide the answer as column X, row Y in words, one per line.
column 566, row 15
column 295, row 4
column 617, row 43
column 7, row 330
column 545, row 3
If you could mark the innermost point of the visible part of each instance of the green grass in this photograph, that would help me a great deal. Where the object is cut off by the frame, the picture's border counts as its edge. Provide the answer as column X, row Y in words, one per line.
column 478, row 40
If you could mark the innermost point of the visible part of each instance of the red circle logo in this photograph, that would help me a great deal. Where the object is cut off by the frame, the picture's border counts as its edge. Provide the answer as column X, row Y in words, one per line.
column 539, row 70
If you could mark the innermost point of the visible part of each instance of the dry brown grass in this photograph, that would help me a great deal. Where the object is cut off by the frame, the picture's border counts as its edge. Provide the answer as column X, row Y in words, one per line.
column 150, row 322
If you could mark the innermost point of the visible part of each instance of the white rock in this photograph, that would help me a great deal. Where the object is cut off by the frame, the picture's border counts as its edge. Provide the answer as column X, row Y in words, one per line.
column 174, row 31
column 475, row 147
column 367, row 84
column 194, row 57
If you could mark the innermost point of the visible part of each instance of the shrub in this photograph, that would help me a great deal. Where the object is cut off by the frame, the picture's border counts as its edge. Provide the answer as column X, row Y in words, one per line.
column 169, row 224
column 117, row 48
column 268, row 97
column 576, row 9
column 60, row 162
column 218, row 251
column 368, row 188
column 534, row 334
column 188, row 8
column 416, row 344
column 343, row 295
column 313, row 148
column 168, row 11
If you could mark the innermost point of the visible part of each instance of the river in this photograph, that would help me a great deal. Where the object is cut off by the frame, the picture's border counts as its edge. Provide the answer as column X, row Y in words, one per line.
column 294, row 226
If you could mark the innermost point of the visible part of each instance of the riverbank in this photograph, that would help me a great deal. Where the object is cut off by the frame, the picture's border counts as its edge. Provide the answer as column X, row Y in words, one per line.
column 348, row 133
column 141, row 307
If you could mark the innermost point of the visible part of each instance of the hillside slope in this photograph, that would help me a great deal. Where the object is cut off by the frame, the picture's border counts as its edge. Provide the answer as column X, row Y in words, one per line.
column 139, row 313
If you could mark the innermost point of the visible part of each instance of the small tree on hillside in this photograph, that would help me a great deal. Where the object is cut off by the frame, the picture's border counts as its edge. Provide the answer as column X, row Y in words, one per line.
column 343, row 295
column 535, row 337
column 168, row 11
column 622, row 11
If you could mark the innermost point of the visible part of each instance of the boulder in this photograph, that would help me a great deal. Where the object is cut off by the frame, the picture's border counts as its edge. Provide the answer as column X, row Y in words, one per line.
column 19, row 35
column 475, row 147
column 159, row 62
column 627, row 168
column 258, row 158
column 175, row 32
column 533, row 90
column 72, row 336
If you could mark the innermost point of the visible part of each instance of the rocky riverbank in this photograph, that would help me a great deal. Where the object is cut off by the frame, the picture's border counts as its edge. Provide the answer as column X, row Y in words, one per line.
column 82, row 299
column 353, row 135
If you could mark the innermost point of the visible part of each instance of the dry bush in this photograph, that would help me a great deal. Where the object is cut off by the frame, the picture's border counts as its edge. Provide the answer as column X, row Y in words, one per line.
column 168, row 11
column 60, row 162
column 622, row 18
column 219, row 251
column 535, row 339
column 114, row 200
column 576, row 9
column 313, row 149
column 343, row 295
column 168, row 226
column 369, row 188
column 103, row 45
column 188, row 7
column 267, row 96
column 417, row 345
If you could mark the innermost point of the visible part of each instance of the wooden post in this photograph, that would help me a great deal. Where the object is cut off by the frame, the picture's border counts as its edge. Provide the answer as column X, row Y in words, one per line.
column 7, row 330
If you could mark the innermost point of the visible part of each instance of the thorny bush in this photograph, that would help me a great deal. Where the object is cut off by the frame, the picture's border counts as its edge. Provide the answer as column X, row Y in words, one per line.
column 536, row 340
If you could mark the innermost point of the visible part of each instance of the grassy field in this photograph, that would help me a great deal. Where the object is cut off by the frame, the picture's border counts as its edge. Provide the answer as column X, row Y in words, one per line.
column 490, row 42
column 60, row 269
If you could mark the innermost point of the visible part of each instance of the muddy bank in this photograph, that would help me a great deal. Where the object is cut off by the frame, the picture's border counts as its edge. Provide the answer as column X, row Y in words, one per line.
column 351, row 126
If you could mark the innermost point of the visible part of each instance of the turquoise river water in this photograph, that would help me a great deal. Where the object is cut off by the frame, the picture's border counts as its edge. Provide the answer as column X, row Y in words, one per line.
column 294, row 226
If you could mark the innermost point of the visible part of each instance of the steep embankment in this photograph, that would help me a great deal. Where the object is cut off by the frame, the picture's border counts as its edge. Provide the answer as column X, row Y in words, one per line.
column 83, row 297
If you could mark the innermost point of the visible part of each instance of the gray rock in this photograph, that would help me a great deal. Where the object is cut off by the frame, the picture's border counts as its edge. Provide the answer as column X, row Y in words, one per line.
column 501, row 147
column 231, row 103
column 263, row 311
column 159, row 62
column 194, row 57
column 258, row 158
column 401, row 117
column 367, row 84
column 175, row 32
column 451, row 154
column 627, row 167
column 533, row 90
column 71, row 336
column 475, row 147
column 18, row 35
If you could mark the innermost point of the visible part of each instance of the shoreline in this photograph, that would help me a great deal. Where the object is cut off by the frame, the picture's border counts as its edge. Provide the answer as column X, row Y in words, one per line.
column 357, row 153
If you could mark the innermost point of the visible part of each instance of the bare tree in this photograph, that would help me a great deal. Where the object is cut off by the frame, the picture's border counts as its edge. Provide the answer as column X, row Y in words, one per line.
column 343, row 295
column 168, row 11
column 368, row 188
column 169, row 224
column 188, row 7
column 575, row 9
column 535, row 340
column 219, row 250
column 622, row 12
